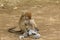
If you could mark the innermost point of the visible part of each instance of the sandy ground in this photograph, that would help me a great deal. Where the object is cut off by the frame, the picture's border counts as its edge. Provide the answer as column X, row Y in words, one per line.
column 45, row 12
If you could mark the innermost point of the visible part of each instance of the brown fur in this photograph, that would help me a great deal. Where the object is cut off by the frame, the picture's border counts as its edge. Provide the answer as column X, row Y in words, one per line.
column 24, row 26
column 23, row 18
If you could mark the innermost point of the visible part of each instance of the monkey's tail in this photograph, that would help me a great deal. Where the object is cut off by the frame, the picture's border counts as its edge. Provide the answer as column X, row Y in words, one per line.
column 11, row 30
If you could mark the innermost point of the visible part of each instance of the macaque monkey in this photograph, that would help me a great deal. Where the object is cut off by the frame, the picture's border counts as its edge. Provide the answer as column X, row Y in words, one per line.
column 26, row 23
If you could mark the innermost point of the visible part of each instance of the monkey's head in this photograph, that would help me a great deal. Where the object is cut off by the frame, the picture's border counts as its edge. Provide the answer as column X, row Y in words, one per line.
column 28, row 15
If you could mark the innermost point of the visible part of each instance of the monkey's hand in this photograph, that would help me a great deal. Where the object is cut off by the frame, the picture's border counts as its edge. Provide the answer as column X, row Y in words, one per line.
column 36, row 29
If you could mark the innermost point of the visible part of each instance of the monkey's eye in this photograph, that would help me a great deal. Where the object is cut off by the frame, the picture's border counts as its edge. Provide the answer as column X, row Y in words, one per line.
column 25, row 24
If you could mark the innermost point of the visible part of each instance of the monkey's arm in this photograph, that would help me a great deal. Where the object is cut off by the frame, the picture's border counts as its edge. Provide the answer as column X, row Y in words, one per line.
column 34, row 24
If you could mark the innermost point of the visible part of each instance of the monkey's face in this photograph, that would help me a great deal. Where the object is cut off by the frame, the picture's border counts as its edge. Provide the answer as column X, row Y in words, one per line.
column 27, row 18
